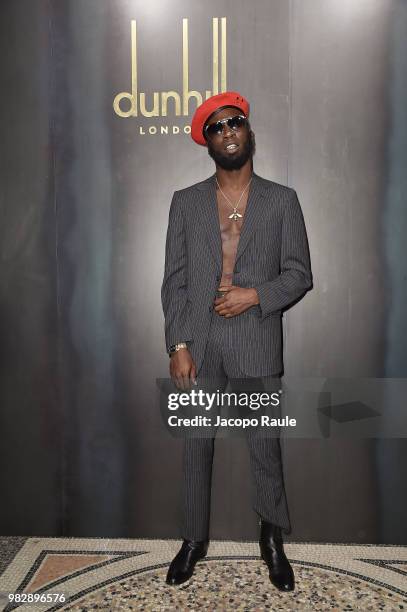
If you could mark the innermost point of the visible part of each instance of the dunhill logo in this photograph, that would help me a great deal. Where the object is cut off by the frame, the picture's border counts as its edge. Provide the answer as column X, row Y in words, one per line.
column 179, row 101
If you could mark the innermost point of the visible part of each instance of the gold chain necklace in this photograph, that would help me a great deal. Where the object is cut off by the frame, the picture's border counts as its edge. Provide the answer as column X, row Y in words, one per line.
column 235, row 215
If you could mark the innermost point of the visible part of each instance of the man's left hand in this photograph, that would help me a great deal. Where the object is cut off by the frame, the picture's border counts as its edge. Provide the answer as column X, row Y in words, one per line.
column 235, row 301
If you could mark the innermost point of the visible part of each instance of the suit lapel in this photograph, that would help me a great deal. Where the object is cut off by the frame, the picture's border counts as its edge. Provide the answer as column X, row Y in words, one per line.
column 210, row 218
column 255, row 209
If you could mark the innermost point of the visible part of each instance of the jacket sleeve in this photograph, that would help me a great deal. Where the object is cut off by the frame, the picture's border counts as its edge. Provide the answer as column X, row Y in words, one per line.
column 295, row 276
column 174, row 296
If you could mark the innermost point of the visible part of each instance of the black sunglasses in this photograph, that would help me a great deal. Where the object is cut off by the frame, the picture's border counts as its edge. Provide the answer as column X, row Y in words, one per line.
column 216, row 128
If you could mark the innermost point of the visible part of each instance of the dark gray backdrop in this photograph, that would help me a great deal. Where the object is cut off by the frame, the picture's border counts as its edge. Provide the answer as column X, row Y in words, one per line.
column 84, row 209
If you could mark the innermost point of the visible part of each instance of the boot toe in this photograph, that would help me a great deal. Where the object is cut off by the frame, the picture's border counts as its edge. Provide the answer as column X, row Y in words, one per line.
column 283, row 581
column 175, row 578
column 282, row 585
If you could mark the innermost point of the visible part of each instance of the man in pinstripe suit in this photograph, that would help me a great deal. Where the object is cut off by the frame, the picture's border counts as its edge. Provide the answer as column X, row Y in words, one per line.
column 236, row 255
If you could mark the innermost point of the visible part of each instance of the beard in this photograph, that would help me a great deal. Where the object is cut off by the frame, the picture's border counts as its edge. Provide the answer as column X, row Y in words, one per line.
column 234, row 162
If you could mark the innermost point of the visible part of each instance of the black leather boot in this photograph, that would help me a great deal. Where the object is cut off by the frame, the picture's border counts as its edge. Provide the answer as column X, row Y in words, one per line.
column 183, row 564
column 272, row 552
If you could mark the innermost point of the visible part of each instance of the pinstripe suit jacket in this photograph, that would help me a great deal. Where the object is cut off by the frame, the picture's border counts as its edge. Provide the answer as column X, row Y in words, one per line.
column 272, row 256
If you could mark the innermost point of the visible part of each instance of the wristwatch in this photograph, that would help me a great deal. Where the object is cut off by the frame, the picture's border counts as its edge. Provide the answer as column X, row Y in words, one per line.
column 176, row 347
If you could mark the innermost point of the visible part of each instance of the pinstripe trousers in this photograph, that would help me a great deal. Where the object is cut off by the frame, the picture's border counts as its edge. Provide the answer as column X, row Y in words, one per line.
column 220, row 365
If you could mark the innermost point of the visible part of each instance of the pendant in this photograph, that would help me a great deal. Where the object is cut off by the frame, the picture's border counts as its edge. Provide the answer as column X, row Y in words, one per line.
column 235, row 216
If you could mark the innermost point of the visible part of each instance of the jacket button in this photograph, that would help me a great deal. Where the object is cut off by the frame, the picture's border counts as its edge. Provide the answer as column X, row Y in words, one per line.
column 210, row 308
column 218, row 277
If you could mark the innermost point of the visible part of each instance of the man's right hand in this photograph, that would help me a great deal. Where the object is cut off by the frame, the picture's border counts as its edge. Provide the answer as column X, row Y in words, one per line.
column 182, row 369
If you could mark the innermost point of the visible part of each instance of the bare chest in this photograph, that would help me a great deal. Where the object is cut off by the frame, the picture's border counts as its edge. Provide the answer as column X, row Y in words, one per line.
column 231, row 218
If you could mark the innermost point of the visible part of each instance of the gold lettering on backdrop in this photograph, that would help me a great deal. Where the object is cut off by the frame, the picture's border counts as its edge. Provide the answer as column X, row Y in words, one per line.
column 155, row 111
column 186, row 94
column 215, row 56
column 181, row 101
column 164, row 129
column 132, row 112
column 223, row 56
column 164, row 97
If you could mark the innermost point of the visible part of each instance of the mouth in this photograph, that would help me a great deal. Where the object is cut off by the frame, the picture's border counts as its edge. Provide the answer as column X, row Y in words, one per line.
column 230, row 148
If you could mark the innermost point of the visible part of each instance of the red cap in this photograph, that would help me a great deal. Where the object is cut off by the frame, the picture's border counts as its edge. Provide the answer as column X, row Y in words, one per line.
column 205, row 110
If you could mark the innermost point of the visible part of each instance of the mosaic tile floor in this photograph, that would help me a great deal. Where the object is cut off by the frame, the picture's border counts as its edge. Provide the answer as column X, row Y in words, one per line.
column 103, row 574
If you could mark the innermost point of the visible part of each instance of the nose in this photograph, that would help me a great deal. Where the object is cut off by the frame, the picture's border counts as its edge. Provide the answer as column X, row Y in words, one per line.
column 226, row 130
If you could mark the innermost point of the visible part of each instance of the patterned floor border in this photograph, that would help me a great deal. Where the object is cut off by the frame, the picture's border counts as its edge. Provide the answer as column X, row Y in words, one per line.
column 84, row 568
